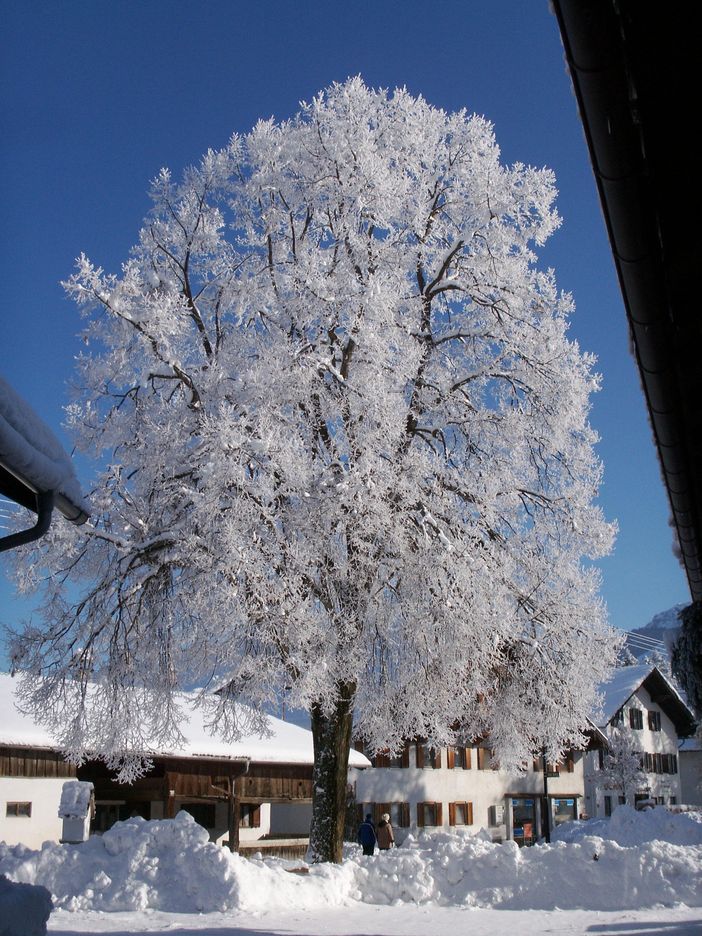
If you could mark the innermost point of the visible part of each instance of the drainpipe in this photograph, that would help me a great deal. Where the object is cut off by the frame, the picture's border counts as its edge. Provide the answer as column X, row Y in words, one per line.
column 45, row 507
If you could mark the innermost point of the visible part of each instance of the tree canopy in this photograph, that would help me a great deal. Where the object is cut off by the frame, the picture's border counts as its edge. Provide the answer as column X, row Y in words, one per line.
column 344, row 444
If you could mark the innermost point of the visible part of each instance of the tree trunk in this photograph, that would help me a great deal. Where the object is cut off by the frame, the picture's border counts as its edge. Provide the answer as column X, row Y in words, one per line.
column 332, row 739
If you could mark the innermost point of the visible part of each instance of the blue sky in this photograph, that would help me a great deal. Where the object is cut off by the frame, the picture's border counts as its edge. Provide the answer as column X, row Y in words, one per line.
column 99, row 94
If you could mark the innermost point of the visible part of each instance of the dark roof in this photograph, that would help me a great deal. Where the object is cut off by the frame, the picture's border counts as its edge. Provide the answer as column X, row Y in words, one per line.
column 636, row 77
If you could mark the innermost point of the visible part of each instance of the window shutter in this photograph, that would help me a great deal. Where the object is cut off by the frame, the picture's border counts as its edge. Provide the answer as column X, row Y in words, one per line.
column 570, row 762
column 466, row 762
column 359, row 813
column 420, row 815
column 673, row 763
column 436, row 758
column 537, row 764
column 378, row 811
column 452, row 814
column 439, row 818
column 404, row 815
column 358, row 745
column 469, row 813
column 450, row 758
column 419, row 748
column 405, row 757
column 256, row 818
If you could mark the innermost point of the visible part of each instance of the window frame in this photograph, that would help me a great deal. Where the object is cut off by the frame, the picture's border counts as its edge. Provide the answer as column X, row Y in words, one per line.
column 18, row 809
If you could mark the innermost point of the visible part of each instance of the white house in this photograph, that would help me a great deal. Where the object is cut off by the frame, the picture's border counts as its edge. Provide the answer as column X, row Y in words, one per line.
column 454, row 787
column 642, row 703
column 254, row 790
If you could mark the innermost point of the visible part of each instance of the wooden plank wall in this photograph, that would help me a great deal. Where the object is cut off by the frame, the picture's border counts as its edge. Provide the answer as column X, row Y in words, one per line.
column 30, row 762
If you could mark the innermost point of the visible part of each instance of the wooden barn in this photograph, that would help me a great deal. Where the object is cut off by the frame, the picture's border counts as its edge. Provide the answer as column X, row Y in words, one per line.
column 252, row 794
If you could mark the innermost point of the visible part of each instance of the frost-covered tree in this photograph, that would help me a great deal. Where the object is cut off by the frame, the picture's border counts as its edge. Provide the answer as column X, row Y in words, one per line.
column 346, row 452
column 622, row 769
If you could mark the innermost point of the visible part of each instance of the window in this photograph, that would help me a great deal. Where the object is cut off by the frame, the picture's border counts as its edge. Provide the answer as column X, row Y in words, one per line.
column 429, row 814
column 636, row 719
column 19, row 809
column 428, row 756
column 608, row 806
column 485, row 758
column 618, row 718
column 654, row 721
column 249, row 816
column 673, row 801
column 460, row 814
column 399, row 814
column 458, row 758
column 565, row 809
column 202, row 813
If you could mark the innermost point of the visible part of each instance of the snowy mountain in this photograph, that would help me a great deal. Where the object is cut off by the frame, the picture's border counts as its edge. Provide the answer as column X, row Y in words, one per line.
column 663, row 627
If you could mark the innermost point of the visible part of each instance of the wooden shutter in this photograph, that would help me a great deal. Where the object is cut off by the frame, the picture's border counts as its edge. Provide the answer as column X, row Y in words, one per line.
column 483, row 758
column 438, row 814
column 419, row 748
column 358, row 745
column 466, row 761
column 359, row 813
column 404, row 815
column 420, row 815
column 469, row 813
column 450, row 758
column 570, row 762
column 405, row 756
column 378, row 810
column 256, row 818
column 452, row 814
column 381, row 759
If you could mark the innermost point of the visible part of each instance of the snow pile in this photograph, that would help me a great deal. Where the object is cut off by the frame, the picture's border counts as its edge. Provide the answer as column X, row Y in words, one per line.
column 171, row 865
column 595, row 873
column 24, row 909
column 166, row 865
column 75, row 799
column 630, row 827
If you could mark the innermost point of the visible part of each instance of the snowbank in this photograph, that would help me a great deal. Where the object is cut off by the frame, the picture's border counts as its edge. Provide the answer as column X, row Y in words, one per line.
column 24, row 909
column 171, row 865
column 631, row 827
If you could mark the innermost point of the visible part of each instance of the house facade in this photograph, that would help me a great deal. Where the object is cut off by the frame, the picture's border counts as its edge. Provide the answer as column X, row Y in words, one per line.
column 252, row 793
column 642, row 704
column 462, row 787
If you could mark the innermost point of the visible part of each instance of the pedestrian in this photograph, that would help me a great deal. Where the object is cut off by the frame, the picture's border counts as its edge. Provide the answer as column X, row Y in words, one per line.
column 366, row 835
column 386, row 837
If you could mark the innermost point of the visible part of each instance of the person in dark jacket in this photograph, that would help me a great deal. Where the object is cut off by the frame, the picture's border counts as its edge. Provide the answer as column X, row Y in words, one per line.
column 366, row 835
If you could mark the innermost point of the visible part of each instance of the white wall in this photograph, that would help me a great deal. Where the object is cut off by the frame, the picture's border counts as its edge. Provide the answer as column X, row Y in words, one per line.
column 293, row 819
column 44, row 824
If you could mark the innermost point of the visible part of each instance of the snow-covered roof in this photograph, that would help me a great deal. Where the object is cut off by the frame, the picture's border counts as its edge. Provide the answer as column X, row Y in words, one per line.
column 286, row 744
column 627, row 679
column 619, row 687
column 32, row 453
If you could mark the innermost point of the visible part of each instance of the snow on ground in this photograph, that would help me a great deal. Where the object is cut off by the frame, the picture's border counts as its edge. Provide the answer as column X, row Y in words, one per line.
column 401, row 920
column 167, row 875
